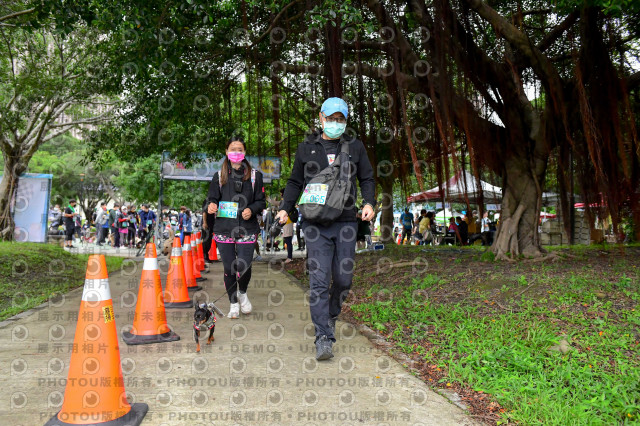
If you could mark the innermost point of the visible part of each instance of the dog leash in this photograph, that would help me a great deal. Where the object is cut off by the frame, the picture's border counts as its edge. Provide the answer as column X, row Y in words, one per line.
column 275, row 228
column 234, row 286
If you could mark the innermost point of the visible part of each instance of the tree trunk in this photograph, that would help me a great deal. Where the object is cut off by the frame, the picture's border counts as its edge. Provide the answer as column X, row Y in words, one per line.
column 333, row 68
column 275, row 107
column 91, row 205
column 8, row 188
column 386, row 217
column 517, row 232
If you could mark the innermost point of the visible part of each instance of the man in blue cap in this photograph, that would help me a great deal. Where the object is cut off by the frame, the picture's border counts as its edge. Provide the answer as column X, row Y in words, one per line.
column 330, row 248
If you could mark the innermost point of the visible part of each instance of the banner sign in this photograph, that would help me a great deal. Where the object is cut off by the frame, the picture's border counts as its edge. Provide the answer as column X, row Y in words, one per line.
column 30, row 207
column 205, row 167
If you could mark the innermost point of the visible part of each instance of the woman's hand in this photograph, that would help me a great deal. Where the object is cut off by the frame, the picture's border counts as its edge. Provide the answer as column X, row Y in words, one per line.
column 246, row 213
column 213, row 208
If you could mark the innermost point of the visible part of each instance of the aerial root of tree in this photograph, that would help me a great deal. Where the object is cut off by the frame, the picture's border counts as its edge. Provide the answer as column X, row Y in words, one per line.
column 552, row 257
column 507, row 238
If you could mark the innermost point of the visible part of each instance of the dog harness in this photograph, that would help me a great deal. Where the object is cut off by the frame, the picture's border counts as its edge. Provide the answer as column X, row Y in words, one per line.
column 207, row 325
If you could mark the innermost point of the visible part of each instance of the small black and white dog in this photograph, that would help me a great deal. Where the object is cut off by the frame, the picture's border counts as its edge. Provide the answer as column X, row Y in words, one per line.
column 204, row 319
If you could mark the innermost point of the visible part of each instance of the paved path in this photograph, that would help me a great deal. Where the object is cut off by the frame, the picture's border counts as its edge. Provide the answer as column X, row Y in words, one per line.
column 260, row 369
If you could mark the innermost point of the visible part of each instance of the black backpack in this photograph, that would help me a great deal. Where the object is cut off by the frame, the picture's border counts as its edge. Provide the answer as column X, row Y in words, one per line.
column 326, row 194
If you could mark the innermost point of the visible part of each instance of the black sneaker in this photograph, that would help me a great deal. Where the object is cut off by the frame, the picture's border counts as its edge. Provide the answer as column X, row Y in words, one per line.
column 332, row 325
column 323, row 348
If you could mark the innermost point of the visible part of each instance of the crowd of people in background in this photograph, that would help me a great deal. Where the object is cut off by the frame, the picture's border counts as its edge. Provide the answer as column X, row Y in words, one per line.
column 127, row 226
column 124, row 225
column 119, row 226
column 461, row 230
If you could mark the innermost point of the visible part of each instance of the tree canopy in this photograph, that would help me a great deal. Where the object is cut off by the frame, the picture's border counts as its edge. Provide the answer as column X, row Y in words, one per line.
column 514, row 91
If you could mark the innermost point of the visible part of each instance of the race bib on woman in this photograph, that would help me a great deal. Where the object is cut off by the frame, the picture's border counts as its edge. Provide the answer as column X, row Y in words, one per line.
column 228, row 209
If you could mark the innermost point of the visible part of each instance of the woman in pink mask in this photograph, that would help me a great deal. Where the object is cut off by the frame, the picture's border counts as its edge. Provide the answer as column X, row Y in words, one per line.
column 236, row 197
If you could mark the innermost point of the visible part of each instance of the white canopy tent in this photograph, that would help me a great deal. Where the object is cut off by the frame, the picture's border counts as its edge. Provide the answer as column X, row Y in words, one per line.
column 463, row 188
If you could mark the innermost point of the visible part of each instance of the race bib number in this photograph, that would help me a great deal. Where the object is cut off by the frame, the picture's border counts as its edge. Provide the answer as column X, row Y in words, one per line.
column 125, row 224
column 331, row 158
column 228, row 209
column 314, row 193
column 149, row 222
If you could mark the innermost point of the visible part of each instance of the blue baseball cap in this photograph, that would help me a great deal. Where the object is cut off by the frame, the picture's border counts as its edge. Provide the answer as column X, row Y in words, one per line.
column 332, row 105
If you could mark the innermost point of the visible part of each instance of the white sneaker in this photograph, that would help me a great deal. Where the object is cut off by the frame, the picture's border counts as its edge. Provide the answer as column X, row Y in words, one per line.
column 245, row 305
column 234, row 311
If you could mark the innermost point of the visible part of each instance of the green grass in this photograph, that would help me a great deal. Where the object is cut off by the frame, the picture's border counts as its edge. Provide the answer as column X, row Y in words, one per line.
column 31, row 273
column 507, row 353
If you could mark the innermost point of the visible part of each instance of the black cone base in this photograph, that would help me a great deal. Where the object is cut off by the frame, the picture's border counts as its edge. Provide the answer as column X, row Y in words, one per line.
column 187, row 304
column 196, row 288
column 132, row 418
column 200, row 279
column 139, row 339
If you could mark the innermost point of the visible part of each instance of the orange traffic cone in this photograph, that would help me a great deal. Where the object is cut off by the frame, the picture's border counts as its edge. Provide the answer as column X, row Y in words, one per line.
column 213, row 251
column 95, row 387
column 176, row 294
column 200, row 262
column 187, row 260
column 194, row 257
column 150, row 319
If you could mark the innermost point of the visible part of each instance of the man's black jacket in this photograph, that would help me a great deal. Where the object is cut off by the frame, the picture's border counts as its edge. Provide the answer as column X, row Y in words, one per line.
column 311, row 158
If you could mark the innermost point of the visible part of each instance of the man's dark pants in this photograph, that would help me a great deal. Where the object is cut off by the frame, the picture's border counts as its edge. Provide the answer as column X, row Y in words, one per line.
column 406, row 232
column 299, row 238
column 69, row 230
column 102, row 233
column 116, row 237
column 331, row 250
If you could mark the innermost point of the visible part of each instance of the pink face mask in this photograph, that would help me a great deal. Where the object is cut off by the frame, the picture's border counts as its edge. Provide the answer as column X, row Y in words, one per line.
column 235, row 157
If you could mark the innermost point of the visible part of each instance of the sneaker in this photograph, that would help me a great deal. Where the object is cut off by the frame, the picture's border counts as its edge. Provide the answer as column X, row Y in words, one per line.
column 323, row 348
column 288, row 260
column 245, row 305
column 234, row 311
column 332, row 325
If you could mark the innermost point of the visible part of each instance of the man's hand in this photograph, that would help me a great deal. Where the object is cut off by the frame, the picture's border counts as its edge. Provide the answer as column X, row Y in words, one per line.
column 367, row 213
column 213, row 208
column 204, row 224
column 282, row 216
column 246, row 213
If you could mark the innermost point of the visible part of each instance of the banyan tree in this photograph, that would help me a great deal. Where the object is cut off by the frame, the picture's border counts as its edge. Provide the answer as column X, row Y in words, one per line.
column 515, row 85
column 528, row 91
